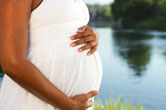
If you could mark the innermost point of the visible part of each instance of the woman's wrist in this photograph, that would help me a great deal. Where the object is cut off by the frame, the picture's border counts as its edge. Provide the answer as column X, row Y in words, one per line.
column 74, row 105
column 71, row 105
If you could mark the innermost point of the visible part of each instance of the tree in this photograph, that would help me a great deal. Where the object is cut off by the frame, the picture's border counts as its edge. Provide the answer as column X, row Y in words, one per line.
column 162, row 6
column 132, row 10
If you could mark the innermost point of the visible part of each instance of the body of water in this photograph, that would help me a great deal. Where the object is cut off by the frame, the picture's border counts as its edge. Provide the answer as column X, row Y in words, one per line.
column 134, row 66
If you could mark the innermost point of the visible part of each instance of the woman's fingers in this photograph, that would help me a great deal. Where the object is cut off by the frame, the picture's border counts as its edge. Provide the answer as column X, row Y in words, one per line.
column 81, row 34
column 83, row 40
column 83, row 28
column 84, row 101
column 89, row 103
column 88, row 36
column 93, row 49
column 87, row 46
column 91, row 94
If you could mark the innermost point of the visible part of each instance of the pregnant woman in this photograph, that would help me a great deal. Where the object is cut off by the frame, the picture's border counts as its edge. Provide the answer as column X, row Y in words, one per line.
column 44, row 53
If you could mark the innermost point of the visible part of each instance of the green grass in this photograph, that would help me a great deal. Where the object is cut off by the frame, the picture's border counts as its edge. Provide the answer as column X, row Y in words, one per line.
column 117, row 104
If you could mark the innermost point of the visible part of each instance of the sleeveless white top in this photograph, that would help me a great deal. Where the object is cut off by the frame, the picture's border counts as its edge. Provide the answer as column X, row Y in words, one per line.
column 50, row 27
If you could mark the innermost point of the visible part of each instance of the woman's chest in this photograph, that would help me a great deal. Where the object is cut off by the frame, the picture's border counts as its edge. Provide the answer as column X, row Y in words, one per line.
column 60, row 11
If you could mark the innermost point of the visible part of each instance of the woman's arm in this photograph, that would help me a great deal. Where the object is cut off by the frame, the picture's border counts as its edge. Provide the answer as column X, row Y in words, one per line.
column 14, row 18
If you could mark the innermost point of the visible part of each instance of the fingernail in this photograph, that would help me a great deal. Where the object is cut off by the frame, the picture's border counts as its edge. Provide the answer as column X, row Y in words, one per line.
column 80, row 50
column 88, row 54
column 72, row 37
column 79, row 30
column 73, row 44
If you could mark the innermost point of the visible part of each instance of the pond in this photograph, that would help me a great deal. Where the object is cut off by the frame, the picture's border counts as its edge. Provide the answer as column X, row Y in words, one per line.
column 134, row 66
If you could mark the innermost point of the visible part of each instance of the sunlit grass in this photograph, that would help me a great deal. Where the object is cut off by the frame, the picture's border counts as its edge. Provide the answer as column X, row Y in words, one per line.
column 118, row 104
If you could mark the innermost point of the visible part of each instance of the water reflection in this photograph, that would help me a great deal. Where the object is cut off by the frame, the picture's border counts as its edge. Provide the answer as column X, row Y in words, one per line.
column 134, row 64
column 164, row 51
column 163, row 37
column 132, row 48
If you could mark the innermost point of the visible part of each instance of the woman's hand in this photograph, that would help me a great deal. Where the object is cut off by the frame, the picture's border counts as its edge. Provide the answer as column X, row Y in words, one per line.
column 82, row 101
column 86, row 35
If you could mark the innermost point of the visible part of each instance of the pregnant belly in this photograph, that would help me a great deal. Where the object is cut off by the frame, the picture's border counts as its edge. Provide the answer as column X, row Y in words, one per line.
column 70, row 71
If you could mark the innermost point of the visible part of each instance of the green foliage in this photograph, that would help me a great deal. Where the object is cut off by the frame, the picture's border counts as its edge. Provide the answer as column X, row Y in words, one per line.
column 103, row 12
column 155, row 23
column 162, row 6
column 132, row 9
column 129, row 13
column 118, row 104
column 107, row 11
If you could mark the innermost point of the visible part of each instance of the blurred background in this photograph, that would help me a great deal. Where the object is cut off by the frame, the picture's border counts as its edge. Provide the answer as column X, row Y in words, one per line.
column 132, row 47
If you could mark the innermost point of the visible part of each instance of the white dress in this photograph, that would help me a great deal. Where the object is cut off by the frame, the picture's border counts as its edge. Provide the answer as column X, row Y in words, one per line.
column 50, row 27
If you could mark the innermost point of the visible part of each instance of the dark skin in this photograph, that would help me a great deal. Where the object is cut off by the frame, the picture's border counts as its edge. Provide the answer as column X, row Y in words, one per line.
column 87, row 35
column 14, row 19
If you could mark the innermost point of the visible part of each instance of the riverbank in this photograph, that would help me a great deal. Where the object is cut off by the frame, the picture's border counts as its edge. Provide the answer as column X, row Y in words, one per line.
column 99, row 23
column 155, row 23
column 152, row 24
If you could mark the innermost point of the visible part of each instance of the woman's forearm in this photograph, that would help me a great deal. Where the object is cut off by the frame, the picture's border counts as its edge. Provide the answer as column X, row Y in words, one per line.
column 28, row 76
column 14, row 25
